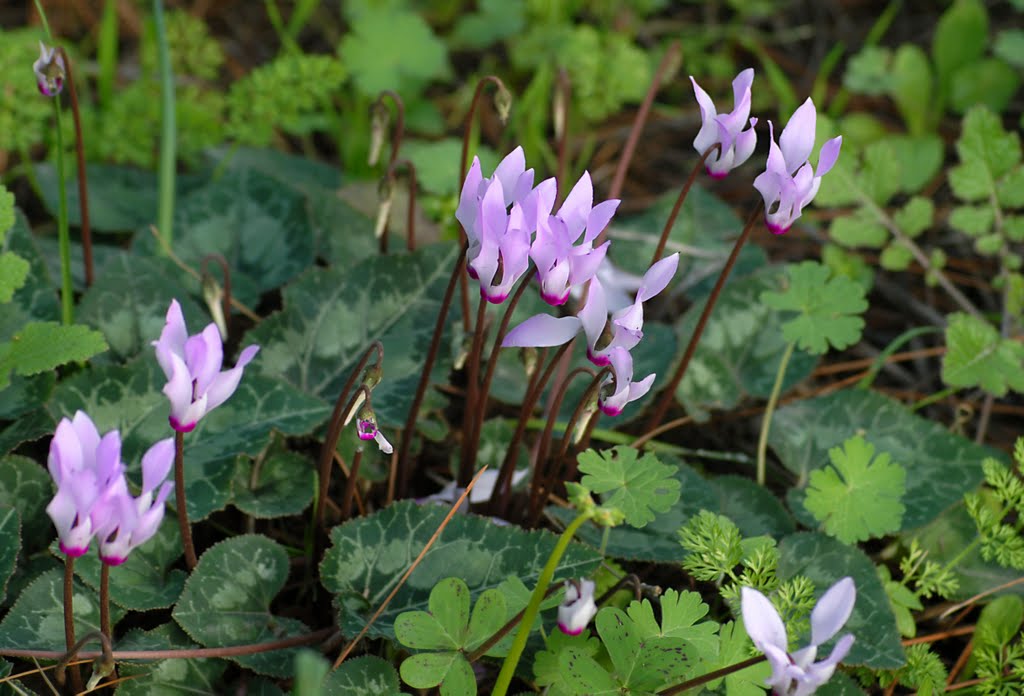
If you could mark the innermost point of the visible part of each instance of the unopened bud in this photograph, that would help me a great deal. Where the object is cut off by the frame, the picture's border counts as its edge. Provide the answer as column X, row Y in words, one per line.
column 373, row 375
column 386, row 196
column 366, row 425
column 503, row 103
column 50, row 71
column 213, row 295
column 528, row 356
column 379, row 119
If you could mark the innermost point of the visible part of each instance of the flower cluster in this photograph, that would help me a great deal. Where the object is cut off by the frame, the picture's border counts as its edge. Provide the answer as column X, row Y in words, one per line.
column 93, row 499
column 797, row 674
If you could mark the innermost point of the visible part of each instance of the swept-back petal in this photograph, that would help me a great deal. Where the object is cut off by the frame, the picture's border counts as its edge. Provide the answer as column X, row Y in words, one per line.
column 658, row 277
column 174, row 333
column 797, row 137
column 179, row 389
column 156, row 464
column 510, row 169
column 762, row 621
column 594, row 313
column 832, row 610
column 542, row 331
column 600, row 215
column 469, row 198
column 828, row 155
column 577, row 205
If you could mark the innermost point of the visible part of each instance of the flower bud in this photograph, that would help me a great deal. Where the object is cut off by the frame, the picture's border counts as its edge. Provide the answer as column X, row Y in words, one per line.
column 50, row 71
column 578, row 607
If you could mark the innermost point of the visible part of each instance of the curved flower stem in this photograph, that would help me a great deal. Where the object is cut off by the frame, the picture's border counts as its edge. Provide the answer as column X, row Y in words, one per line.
column 428, row 366
column 711, row 676
column 103, row 669
column 469, row 451
column 502, row 485
column 410, row 214
column 69, row 619
column 542, row 479
column 589, row 397
column 350, row 485
column 508, row 668
column 766, row 421
column 668, row 395
column 179, row 500
column 671, row 221
column 83, row 188
column 670, row 57
column 168, row 133
column 467, row 132
column 67, row 290
column 339, row 417
column 503, row 631
column 471, row 411
column 225, row 291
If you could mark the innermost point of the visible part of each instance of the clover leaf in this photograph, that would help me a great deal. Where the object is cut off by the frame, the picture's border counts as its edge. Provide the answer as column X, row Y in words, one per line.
column 857, row 498
column 828, row 308
column 637, row 487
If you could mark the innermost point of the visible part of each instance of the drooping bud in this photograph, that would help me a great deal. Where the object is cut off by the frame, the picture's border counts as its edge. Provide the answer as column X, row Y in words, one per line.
column 366, row 424
column 373, row 375
column 380, row 118
column 213, row 295
column 385, row 198
column 528, row 356
column 50, row 71
column 503, row 103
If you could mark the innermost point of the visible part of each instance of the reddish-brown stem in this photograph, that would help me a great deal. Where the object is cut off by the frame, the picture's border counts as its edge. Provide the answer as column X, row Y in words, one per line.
column 492, row 363
column 185, row 653
column 467, row 131
column 83, row 188
column 69, row 619
column 225, row 270
column 350, row 485
column 399, row 130
column 105, row 601
column 670, row 223
column 106, row 666
column 711, row 676
column 410, row 211
column 179, row 500
column 338, row 418
column 428, row 365
column 589, row 397
column 670, row 57
column 563, row 101
column 502, row 486
column 669, row 393
column 472, row 409
column 540, row 483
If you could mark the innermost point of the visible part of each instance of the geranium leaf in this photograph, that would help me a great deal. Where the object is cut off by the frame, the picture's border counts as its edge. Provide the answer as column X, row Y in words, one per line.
column 977, row 356
column 638, row 487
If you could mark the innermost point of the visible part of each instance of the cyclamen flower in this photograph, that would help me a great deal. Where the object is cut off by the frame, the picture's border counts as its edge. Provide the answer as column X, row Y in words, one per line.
column 789, row 182
column 797, row 674
column 50, row 70
column 726, row 129
column 561, row 265
column 578, row 607
column 504, row 245
column 85, row 467
column 192, row 365
column 125, row 522
column 516, row 182
column 621, row 381
column 366, row 428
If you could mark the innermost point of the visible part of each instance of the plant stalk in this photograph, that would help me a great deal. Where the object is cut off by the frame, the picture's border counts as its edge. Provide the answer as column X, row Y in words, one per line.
column 179, row 500
column 671, row 221
column 67, row 290
column 508, row 668
column 712, row 676
column 766, row 421
column 168, row 133
column 69, row 619
column 83, row 188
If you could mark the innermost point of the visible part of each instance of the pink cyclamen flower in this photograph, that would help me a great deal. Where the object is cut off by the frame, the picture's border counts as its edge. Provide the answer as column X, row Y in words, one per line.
column 619, row 389
column 726, row 130
column 561, row 262
column 124, row 522
column 192, row 364
column 366, row 428
column 789, row 182
column 578, row 607
column 797, row 674
column 50, row 71
column 504, row 245
column 84, row 466
column 516, row 182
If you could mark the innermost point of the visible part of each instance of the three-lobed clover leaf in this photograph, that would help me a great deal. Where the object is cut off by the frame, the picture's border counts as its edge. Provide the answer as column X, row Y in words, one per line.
column 828, row 308
column 977, row 356
column 857, row 498
column 638, row 487
column 449, row 630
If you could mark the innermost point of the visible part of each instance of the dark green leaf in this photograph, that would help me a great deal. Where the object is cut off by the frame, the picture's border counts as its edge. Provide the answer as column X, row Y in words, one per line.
column 172, row 677
column 279, row 485
column 227, row 599
column 368, row 555
column 26, row 486
column 10, row 544
column 362, row 676
column 120, row 198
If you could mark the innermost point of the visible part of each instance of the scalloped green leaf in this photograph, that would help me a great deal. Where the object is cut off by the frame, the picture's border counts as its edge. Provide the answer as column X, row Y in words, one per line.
column 643, row 663
column 170, row 677
column 740, row 349
column 128, row 303
column 36, row 621
column 330, row 316
column 41, row 346
column 35, row 299
column 146, row 580
column 13, row 274
column 227, row 600
column 10, row 545
column 824, row 561
column 129, row 399
column 26, row 486
column 368, row 555
column 280, row 485
column 363, row 676
column 978, row 356
column 941, row 466
column 638, row 486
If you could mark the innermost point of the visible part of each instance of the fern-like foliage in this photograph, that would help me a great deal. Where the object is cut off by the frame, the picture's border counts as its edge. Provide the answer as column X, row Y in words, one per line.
column 998, row 512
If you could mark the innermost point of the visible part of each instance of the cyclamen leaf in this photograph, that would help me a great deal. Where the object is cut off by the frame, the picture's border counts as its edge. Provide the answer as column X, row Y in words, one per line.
column 857, row 498
column 640, row 487
column 827, row 307
column 42, row 346
column 362, row 676
column 977, row 355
